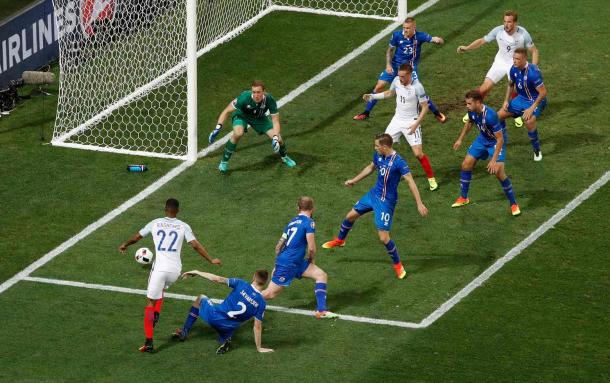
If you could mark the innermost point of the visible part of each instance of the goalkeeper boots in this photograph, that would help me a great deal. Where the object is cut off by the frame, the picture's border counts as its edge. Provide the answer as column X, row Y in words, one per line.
column 223, row 166
column 465, row 118
column 289, row 162
column 334, row 243
column 433, row 183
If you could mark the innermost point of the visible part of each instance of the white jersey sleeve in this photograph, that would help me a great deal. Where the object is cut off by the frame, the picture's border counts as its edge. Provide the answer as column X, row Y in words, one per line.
column 188, row 233
column 420, row 92
column 146, row 229
column 491, row 36
column 527, row 38
column 394, row 83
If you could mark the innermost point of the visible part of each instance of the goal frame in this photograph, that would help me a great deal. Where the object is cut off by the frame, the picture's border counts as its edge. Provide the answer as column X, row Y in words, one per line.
column 190, row 63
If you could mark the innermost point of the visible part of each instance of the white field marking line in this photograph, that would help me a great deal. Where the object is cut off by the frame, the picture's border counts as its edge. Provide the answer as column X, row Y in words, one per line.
column 126, row 290
column 151, row 188
column 515, row 251
column 425, row 322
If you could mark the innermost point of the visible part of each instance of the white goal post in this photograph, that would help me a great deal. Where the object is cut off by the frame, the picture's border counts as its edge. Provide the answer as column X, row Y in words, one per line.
column 128, row 68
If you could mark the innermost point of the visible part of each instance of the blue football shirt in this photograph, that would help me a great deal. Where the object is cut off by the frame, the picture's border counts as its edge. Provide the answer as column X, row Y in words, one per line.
column 408, row 50
column 488, row 124
column 526, row 80
column 243, row 303
column 390, row 170
column 295, row 246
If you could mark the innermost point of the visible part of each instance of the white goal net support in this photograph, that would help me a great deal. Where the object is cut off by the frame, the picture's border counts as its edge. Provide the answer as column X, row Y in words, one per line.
column 128, row 68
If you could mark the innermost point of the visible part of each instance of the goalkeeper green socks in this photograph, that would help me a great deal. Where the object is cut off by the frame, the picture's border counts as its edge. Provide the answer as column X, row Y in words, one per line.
column 229, row 150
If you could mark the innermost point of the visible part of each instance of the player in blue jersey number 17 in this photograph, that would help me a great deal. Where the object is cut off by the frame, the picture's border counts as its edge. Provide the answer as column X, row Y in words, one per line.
column 295, row 253
column 382, row 198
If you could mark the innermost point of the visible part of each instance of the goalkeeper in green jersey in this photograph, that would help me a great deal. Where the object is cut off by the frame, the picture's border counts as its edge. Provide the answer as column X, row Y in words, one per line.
column 249, row 110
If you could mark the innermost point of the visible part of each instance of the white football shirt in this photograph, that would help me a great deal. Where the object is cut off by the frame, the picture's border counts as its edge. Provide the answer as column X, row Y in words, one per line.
column 408, row 98
column 168, row 235
column 508, row 43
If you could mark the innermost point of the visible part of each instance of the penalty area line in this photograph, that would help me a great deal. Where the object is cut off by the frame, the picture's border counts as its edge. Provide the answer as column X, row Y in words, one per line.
column 512, row 253
column 287, row 310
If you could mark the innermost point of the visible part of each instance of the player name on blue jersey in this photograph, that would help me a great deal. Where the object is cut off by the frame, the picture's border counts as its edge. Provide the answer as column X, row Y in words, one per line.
column 295, row 235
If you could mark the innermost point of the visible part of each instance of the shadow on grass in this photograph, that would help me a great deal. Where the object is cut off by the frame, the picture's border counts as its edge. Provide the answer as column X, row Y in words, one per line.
column 422, row 264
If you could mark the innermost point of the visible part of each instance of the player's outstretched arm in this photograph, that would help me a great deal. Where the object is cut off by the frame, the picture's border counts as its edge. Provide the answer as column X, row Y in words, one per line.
column 423, row 110
column 202, row 274
column 437, row 40
column 136, row 237
column 529, row 112
column 378, row 96
column 509, row 91
column 275, row 119
column 370, row 168
column 389, row 53
column 423, row 210
column 258, row 336
column 533, row 50
column 279, row 246
column 221, row 120
column 226, row 111
column 493, row 166
column 463, row 133
column 473, row 45
column 203, row 252
column 311, row 247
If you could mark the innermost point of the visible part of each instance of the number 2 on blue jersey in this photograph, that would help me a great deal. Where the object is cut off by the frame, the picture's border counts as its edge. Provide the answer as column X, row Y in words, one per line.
column 163, row 236
column 233, row 314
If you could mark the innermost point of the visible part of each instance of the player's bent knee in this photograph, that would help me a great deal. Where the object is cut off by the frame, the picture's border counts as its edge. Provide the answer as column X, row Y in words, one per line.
column 384, row 236
column 321, row 276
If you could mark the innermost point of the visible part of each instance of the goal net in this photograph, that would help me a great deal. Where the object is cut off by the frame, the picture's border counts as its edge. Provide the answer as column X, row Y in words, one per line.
column 125, row 82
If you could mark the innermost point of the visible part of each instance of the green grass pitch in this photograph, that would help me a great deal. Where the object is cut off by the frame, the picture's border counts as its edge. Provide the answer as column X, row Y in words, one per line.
column 543, row 317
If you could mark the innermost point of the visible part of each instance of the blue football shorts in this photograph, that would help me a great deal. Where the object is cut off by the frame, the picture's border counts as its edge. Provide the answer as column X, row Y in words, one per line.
column 519, row 104
column 384, row 210
column 284, row 274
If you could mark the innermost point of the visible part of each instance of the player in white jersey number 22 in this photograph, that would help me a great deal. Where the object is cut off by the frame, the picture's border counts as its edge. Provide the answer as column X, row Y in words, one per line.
column 168, row 234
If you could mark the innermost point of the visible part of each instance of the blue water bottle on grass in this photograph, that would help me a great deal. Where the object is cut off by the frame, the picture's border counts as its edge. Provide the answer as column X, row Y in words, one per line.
column 136, row 168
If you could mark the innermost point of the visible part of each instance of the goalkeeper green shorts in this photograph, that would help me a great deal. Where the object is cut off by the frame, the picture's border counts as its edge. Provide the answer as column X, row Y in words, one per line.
column 260, row 125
